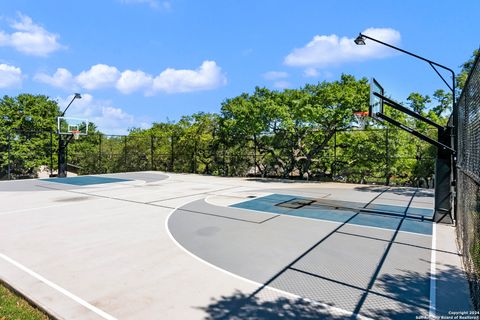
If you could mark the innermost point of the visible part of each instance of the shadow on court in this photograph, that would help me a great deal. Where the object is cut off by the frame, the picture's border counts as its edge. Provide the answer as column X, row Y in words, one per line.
column 403, row 291
column 242, row 306
column 404, row 191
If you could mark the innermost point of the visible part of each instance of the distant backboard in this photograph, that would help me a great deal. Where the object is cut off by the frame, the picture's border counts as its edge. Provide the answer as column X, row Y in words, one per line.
column 376, row 103
column 68, row 126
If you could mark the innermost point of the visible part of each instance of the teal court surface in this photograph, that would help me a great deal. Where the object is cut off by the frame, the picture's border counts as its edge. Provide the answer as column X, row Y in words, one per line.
column 152, row 245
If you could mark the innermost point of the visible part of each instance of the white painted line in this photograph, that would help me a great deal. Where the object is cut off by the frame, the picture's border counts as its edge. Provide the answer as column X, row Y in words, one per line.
column 238, row 202
column 322, row 220
column 433, row 276
column 49, row 283
column 326, row 306
column 35, row 208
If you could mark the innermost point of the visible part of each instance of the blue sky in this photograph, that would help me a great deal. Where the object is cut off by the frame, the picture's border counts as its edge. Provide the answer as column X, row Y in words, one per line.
column 140, row 61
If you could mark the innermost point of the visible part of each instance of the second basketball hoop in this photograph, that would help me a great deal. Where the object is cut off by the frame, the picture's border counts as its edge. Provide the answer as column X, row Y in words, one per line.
column 361, row 119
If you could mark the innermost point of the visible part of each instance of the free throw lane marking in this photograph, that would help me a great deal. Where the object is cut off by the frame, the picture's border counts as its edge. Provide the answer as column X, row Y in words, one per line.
column 49, row 283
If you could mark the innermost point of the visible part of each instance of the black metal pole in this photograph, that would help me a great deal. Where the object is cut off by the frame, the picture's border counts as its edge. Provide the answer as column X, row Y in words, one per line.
column 430, row 62
column 334, row 167
column 224, row 156
column 51, row 152
column 454, row 143
column 387, row 158
column 255, row 153
column 63, row 155
column 151, row 153
column 76, row 96
column 8, row 157
column 125, row 153
column 195, row 157
column 171, row 152
column 100, row 152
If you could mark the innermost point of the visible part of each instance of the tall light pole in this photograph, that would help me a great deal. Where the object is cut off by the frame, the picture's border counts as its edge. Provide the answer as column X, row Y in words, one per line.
column 62, row 144
column 444, row 188
column 360, row 40
column 76, row 96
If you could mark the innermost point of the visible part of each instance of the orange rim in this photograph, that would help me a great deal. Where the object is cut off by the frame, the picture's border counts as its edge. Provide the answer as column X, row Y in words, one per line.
column 361, row 113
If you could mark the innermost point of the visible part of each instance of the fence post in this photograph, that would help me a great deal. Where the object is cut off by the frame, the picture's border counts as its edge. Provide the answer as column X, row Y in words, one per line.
column 224, row 155
column 334, row 167
column 8, row 157
column 255, row 154
column 195, row 156
column 171, row 153
column 387, row 158
column 151, row 153
column 51, row 152
column 100, row 153
column 125, row 153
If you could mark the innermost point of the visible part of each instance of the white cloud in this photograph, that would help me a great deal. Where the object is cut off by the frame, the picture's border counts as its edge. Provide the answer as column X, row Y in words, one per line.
column 109, row 119
column 274, row 75
column 98, row 76
column 30, row 38
column 131, row 81
column 10, row 76
column 62, row 78
column 329, row 50
column 207, row 76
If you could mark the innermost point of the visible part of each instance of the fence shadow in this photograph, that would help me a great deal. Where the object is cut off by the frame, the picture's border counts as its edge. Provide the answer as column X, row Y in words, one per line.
column 245, row 307
column 395, row 296
column 407, row 191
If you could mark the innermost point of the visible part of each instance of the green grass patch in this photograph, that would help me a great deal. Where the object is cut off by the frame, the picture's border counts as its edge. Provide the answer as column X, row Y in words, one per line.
column 14, row 307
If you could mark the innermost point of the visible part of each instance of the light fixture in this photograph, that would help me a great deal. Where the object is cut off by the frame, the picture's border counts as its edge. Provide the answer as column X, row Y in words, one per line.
column 360, row 40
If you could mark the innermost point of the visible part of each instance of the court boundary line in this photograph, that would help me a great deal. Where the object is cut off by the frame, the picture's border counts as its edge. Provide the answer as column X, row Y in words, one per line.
column 58, row 288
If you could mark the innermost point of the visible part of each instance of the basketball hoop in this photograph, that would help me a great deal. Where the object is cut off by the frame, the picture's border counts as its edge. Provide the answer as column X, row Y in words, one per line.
column 361, row 118
column 75, row 134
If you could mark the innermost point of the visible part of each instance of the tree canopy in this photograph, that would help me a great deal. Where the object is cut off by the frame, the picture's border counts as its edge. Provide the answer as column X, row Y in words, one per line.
column 309, row 132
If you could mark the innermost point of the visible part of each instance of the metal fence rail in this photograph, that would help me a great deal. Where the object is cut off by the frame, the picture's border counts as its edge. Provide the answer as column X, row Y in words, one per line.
column 358, row 156
column 26, row 154
column 468, row 180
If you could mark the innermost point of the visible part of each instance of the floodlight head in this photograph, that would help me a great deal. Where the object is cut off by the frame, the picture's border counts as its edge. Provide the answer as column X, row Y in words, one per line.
column 360, row 40
column 77, row 96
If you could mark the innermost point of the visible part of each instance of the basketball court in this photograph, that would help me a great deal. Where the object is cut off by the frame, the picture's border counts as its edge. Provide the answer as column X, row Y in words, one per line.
column 175, row 246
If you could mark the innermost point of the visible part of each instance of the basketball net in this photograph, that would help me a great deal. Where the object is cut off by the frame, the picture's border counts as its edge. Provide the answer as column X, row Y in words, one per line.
column 76, row 134
column 361, row 118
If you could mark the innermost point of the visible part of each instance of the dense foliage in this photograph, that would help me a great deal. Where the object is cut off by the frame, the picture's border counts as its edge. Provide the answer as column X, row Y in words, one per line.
column 25, row 125
column 306, row 133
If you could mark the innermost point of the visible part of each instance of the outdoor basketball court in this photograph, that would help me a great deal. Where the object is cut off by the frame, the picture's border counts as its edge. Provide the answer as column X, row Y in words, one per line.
column 150, row 245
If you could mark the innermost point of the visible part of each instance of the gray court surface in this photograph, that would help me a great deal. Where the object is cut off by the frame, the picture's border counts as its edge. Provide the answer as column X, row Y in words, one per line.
column 151, row 245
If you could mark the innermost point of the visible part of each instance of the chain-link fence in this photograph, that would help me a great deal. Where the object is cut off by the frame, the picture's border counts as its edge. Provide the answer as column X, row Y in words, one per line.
column 380, row 156
column 27, row 154
column 468, row 179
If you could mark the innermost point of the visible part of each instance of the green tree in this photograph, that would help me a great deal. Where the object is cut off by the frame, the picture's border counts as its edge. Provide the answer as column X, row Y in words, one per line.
column 443, row 102
column 466, row 68
column 26, row 122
